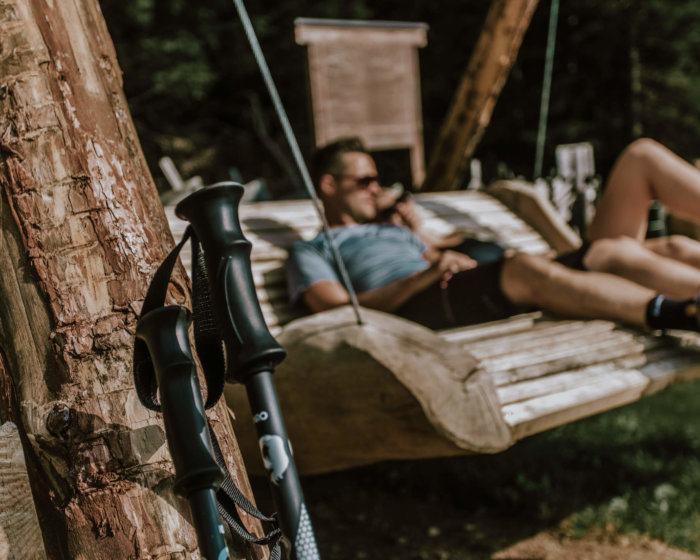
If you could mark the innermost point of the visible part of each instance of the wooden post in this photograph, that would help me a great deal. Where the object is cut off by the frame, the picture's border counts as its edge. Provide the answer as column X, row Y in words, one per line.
column 82, row 233
column 478, row 91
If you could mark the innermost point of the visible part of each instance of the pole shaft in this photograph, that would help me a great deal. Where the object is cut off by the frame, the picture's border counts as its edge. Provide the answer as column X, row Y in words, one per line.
column 210, row 531
column 277, row 456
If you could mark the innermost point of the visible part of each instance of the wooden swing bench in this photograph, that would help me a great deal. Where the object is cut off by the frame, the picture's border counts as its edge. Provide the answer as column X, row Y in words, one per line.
column 391, row 389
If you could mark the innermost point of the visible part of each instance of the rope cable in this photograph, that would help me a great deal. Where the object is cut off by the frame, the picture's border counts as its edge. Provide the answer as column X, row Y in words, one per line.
column 291, row 139
column 546, row 87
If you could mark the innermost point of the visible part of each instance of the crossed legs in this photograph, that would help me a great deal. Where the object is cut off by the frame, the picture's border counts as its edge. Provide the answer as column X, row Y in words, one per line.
column 647, row 171
column 626, row 258
column 676, row 247
column 625, row 271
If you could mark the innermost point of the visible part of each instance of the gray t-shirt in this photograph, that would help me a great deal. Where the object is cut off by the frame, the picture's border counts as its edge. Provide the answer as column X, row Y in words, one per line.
column 374, row 255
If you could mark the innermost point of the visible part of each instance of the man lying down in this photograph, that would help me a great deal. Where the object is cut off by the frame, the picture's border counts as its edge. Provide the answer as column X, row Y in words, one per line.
column 394, row 267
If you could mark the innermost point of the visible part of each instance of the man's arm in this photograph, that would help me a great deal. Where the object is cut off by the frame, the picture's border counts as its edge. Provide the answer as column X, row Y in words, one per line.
column 406, row 214
column 324, row 294
column 327, row 294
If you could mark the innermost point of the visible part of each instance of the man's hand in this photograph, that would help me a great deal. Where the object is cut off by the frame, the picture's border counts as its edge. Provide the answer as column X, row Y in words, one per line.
column 406, row 214
column 327, row 294
column 451, row 262
column 444, row 264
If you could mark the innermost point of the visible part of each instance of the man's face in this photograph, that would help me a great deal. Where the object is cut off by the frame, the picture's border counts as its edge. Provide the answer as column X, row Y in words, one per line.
column 357, row 187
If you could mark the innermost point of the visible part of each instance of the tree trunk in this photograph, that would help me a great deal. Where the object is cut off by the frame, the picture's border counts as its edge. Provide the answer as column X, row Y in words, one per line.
column 82, row 233
column 478, row 91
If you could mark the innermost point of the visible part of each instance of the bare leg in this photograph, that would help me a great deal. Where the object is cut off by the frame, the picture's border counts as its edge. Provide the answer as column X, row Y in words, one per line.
column 531, row 280
column 645, row 171
column 677, row 247
column 629, row 259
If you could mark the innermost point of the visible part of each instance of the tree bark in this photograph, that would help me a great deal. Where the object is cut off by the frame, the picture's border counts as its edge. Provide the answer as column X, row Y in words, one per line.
column 478, row 91
column 83, row 231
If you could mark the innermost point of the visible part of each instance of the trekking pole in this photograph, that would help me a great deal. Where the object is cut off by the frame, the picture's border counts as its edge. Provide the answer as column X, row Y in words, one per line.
column 197, row 476
column 251, row 351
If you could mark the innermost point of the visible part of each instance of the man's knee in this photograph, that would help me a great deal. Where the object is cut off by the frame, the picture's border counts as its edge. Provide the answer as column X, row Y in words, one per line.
column 610, row 254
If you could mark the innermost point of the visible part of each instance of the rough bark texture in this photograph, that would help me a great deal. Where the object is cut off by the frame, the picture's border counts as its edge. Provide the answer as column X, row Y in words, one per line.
column 478, row 91
column 82, row 233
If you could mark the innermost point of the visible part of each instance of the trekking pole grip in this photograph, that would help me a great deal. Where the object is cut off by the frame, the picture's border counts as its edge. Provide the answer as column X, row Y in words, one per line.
column 213, row 215
column 197, row 476
column 251, row 351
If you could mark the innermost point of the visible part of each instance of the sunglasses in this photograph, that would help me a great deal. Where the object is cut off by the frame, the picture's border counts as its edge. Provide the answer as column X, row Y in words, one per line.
column 362, row 182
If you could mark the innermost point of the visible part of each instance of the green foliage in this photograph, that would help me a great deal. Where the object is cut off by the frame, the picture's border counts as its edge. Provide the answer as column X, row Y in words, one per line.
column 622, row 69
column 167, row 80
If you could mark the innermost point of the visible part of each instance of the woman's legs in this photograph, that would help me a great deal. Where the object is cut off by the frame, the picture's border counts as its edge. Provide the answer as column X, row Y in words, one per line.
column 677, row 247
column 629, row 259
column 645, row 171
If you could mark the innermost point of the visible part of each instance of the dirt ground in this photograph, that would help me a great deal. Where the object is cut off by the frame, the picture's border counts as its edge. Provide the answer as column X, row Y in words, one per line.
column 552, row 546
column 426, row 511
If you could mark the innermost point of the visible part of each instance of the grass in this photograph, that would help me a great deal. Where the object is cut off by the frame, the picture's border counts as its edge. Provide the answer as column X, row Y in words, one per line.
column 635, row 469
column 648, row 462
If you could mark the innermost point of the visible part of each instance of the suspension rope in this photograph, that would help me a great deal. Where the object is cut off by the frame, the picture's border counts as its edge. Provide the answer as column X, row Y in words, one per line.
column 546, row 87
column 291, row 139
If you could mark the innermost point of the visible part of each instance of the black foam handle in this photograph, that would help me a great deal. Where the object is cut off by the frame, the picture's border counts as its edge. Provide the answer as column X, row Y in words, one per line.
column 213, row 214
column 164, row 330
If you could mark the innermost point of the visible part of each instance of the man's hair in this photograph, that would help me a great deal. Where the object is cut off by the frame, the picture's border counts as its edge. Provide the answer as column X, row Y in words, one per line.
column 329, row 158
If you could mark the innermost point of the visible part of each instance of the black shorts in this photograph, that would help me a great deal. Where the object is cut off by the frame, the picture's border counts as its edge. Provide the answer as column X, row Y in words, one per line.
column 481, row 251
column 574, row 259
column 472, row 296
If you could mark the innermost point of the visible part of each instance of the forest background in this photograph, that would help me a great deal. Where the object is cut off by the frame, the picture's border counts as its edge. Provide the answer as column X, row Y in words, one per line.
column 622, row 69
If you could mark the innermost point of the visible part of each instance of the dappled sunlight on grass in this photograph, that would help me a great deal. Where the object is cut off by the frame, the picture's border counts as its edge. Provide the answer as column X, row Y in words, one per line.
column 634, row 470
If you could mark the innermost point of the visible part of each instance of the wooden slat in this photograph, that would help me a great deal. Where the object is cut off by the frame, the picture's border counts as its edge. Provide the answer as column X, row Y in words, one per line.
column 549, row 339
column 311, row 30
column 560, row 346
column 273, row 294
column 670, row 365
column 555, row 409
column 545, row 334
column 20, row 532
column 557, row 383
column 482, row 331
column 523, row 366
